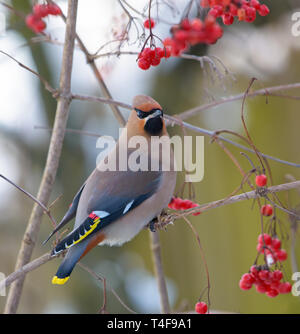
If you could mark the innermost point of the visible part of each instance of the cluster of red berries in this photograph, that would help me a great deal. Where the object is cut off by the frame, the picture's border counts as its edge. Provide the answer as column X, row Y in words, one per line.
column 178, row 203
column 151, row 57
column 271, row 247
column 148, row 24
column 34, row 20
column 201, row 308
column 265, row 281
column 193, row 32
column 244, row 10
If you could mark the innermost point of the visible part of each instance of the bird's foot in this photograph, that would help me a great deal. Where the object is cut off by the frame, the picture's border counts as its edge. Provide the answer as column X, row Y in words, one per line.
column 159, row 222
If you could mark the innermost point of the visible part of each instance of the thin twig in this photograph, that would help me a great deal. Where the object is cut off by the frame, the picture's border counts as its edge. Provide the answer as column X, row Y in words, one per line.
column 44, row 81
column 100, row 278
column 68, row 130
column 46, row 210
column 268, row 91
column 203, row 257
column 213, row 134
column 91, row 61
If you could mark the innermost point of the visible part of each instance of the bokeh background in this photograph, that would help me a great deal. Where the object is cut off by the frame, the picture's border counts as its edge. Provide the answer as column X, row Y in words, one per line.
column 265, row 49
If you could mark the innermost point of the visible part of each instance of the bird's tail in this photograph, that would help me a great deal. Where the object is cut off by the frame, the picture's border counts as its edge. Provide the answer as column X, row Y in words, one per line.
column 66, row 267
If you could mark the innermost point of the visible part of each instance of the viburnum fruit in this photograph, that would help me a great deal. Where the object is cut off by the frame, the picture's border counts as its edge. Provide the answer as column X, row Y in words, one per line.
column 34, row 20
column 201, row 308
column 148, row 24
column 40, row 10
column 272, row 248
column 265, row 281
column 192, row 32
column 244, row 10
column 261, row 180
column 152, row 57
column 178, row 203
column 35, row 23
column 266, row 210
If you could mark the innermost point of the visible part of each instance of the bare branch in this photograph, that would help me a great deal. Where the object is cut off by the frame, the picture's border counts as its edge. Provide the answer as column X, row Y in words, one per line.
column 226, row 201
column 19, row 273
column 159, row 273
column 62, row 112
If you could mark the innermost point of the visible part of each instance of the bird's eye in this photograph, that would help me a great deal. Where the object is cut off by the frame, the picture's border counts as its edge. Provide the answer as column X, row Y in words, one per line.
column 141, row 114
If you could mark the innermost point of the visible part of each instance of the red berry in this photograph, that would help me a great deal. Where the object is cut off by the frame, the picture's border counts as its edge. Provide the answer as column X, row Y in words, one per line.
column 241, row 13
column 213, row 12
column 248, row 278
column 147, row 54
column 285, row 287
column 219, row 9
column 181, row 35
column 185, row 24
column 263, row 10
column 227, row 18
column 40, row 10
column 201, row 308
column 176, row 203
column 155, row 61
column 261, row 288
column 160, row 52
column 30, row 20
column 275, row 285
column 261, row 180
column 147, row 24
column 245, row 285
column 186, row 204
column 250, row 16
column 281, row 255
column 264, row 275
column 266, row 210
column 233, row 9
column 40, row 26
column 255, row 4
column 53, row 9
column 276, row 243
column 277, row 275
column 264, row 238
column 272, row 293
column 254, row 271
column 197, row 24
column 143, row 64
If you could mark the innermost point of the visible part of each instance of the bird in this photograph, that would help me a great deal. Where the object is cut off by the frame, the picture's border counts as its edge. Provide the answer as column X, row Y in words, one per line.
column 113, row 206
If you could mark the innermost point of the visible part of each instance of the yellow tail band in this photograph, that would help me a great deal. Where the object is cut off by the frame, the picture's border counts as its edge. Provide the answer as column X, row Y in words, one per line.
column 60, row 281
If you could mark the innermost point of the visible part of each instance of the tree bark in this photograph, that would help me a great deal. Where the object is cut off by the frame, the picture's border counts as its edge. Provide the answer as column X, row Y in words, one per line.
column 54, row 152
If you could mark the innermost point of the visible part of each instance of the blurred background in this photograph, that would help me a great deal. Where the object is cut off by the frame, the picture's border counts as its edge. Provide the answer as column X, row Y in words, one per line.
column 265, row 49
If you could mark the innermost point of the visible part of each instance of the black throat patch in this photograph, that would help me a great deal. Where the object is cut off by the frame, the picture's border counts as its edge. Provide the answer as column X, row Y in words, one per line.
column 154, row 126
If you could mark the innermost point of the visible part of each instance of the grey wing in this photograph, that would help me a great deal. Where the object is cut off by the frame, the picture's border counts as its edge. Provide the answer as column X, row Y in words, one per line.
column 107, row 198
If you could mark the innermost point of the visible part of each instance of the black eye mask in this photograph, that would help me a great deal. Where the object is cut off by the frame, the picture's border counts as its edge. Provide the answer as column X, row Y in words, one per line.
column 143, row 114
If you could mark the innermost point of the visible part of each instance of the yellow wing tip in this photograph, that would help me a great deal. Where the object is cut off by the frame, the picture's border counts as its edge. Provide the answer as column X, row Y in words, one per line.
column 60, row 281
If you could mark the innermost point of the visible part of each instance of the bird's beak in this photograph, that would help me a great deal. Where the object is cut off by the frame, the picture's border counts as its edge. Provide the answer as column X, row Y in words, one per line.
column 157, row 113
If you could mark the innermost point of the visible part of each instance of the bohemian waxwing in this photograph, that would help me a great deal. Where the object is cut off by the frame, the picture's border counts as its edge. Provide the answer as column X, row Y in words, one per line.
column 113, row 206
